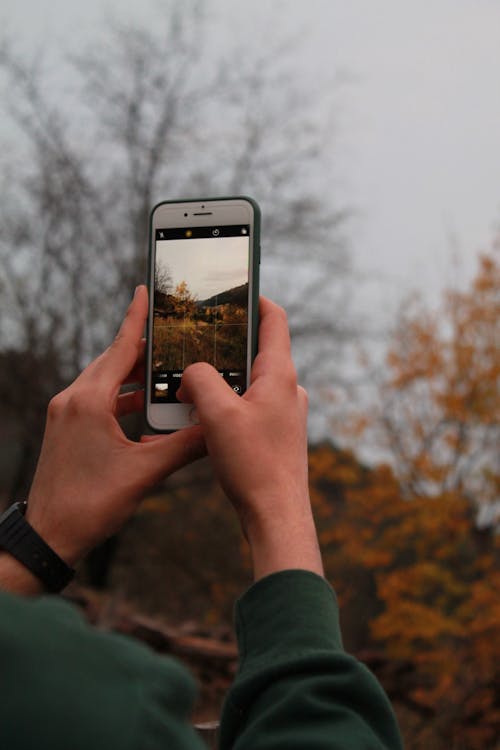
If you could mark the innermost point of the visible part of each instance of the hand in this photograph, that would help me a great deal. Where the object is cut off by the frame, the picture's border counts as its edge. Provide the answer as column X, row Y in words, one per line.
column 258, row 447
column 90, row 478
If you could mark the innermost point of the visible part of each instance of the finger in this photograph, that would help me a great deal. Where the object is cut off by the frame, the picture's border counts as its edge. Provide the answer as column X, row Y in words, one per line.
column 129, row 403
column 274, row 341
column 164, row 454
column 137, row 376
column 273, row 327
column 114, row 365
column 138, row 372
column 303, row 400
column 204, row 387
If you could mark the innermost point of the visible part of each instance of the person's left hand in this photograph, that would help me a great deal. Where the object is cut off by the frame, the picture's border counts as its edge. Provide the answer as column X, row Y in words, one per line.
column 90, row 478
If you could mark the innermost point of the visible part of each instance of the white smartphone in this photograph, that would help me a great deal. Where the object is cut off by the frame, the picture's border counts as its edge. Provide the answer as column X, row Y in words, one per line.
column 203, row 283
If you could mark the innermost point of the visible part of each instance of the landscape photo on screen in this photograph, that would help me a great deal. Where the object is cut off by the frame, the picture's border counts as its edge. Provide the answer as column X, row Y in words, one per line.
column 200, row 309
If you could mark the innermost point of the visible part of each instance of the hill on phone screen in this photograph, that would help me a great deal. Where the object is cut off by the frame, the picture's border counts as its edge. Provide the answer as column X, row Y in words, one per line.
column 236, row 296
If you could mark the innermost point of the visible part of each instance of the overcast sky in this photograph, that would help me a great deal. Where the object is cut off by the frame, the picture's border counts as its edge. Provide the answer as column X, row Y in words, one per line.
column 208, row 266
column 419, row 128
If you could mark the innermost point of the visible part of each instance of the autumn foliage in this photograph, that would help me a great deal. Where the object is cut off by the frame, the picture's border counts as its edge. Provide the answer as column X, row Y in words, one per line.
column 419, row 588
column 441, row 403
column 403, row 545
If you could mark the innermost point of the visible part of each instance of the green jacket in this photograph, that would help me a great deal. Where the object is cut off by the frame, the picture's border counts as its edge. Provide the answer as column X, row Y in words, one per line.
column 67, row 686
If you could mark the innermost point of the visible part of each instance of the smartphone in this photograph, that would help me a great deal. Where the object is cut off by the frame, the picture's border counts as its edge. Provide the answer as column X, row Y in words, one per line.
column 203, row 283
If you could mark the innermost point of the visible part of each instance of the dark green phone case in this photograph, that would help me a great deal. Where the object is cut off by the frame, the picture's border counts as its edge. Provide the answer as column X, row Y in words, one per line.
column 255, row 276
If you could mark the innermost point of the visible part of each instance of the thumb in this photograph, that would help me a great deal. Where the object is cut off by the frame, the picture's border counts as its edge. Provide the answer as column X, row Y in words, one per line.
column 161, row 455
column 204, row 387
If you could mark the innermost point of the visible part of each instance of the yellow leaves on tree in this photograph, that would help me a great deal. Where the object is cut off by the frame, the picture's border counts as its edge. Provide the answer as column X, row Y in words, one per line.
column 418, row 585
column 442, row 416
column 441, row 403
column 417, row 579
column 183, row 300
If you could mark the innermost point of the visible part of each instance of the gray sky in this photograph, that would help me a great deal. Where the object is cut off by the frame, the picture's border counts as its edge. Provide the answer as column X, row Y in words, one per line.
column 418, row 134
column 209, row 266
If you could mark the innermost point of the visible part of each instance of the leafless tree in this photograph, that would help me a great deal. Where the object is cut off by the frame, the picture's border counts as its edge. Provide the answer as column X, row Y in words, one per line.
column 163, row 278
column 142, row 118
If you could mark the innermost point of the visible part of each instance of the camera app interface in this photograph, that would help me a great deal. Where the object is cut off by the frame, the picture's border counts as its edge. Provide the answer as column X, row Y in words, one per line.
column 200, row 305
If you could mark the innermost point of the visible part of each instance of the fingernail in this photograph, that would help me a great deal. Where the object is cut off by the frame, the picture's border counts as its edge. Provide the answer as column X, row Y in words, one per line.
column 136, row 290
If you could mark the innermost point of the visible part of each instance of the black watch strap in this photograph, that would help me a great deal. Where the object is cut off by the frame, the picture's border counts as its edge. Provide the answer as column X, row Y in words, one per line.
column 21, row 540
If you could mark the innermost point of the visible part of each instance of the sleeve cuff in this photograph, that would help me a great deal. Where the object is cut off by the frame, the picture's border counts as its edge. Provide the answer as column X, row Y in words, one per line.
column 287, row 613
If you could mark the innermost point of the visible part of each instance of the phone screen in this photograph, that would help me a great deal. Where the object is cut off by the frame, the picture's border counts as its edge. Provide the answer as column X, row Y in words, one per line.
column 200, row 310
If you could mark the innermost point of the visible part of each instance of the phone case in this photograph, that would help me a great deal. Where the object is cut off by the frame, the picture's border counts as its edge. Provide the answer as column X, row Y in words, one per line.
column 255, row 272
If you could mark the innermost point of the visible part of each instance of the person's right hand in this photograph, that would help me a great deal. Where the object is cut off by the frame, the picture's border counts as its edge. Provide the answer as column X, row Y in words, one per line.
column 258, row 446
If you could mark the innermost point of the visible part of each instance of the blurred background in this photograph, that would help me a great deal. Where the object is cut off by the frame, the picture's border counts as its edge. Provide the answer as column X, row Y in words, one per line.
column 369, row 133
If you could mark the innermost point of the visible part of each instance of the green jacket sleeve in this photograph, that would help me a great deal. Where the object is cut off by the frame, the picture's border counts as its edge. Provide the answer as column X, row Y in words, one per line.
column 66, row 685
column 296, row 687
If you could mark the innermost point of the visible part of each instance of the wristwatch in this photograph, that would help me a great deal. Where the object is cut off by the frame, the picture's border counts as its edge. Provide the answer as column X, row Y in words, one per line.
column 22, row 541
